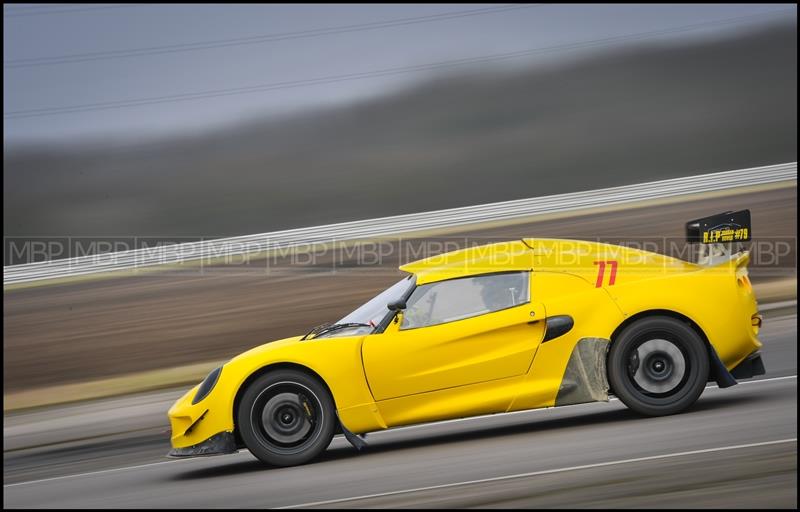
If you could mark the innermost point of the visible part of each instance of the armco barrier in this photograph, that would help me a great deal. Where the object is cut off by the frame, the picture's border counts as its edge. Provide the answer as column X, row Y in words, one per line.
column 398, row 224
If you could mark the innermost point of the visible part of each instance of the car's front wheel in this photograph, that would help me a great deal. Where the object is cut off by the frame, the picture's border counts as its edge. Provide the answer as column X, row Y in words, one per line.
column 286, row 417
column 658, row 365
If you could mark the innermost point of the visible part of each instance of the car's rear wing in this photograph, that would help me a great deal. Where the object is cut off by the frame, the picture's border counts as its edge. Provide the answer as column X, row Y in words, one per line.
column 718, row 233
column 721, row 228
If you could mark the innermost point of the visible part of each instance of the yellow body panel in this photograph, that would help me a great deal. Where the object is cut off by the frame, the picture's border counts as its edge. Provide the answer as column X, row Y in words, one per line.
column 718, row 299
column 336, row 360
column 458, row 402
column 494, row 362
column 482, row 259
column 477, row 349
column 595, row 315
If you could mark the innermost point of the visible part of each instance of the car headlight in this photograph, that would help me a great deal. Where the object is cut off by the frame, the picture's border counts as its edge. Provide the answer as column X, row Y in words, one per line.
column 207, row 385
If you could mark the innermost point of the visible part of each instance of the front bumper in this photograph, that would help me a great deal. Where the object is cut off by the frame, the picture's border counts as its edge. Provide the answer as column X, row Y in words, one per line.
column 218, row 444
column 193, row 425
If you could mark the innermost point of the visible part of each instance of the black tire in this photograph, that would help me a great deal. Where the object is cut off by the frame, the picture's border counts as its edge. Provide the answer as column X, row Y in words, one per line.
column 658, row 366
column 286, row 417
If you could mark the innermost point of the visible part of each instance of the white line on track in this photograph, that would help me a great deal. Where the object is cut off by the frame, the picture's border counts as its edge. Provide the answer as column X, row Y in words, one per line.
column 543, row 472
column 95, row 472
column 396, row 429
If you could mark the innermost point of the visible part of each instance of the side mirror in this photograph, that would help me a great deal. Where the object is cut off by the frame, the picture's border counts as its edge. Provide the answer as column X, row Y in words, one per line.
column 397, row 305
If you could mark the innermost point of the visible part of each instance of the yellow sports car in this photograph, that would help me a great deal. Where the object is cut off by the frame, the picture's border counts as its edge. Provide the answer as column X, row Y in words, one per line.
column 504, row 327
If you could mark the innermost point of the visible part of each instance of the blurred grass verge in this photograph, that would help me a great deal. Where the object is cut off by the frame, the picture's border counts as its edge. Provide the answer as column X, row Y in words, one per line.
column 114, row 386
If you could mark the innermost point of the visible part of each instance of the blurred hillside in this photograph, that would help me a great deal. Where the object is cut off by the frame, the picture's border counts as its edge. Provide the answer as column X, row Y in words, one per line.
column 616, row 117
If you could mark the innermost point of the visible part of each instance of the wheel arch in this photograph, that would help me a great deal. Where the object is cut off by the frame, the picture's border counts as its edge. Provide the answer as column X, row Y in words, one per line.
column 717, row 371
column 660, row 312
column 266, row 369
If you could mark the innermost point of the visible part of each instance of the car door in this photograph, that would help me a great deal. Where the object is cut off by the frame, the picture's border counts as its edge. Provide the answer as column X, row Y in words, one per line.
column 454, row 333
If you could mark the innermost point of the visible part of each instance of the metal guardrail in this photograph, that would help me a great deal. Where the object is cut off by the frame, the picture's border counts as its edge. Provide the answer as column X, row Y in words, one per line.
column 399, row 224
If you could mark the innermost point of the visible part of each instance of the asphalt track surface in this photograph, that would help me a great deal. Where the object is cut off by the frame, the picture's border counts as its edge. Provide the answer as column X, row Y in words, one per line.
column 735, row 448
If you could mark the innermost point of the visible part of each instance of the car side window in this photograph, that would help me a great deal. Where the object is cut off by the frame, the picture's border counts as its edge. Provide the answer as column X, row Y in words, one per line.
column 457, row 299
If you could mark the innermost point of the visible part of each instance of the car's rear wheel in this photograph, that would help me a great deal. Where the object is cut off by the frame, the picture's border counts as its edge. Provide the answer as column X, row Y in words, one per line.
column 658, row 365
column 286, row 417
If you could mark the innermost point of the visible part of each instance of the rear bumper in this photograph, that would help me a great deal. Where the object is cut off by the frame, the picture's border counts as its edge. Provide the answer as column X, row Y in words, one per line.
column 218, row 444
column 750, row 367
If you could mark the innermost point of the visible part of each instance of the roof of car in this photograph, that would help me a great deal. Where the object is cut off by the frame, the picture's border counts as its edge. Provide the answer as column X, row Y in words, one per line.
column 578, row 256
column 480, row 259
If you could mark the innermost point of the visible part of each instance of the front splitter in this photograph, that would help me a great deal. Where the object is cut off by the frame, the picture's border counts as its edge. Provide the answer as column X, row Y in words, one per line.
column 218, row 444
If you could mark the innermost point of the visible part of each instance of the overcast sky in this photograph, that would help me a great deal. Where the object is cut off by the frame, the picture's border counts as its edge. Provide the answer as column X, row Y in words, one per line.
column 35, row 31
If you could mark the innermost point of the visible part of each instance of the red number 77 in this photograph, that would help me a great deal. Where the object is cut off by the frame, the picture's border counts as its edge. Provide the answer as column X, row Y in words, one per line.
column 602, row 270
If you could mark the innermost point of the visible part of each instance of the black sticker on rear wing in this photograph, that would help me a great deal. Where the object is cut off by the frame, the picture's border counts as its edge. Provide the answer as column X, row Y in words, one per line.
column 720, row 228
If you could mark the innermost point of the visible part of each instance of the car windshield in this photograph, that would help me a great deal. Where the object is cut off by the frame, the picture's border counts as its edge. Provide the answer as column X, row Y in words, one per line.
column 367, row 316
column 373, row 311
